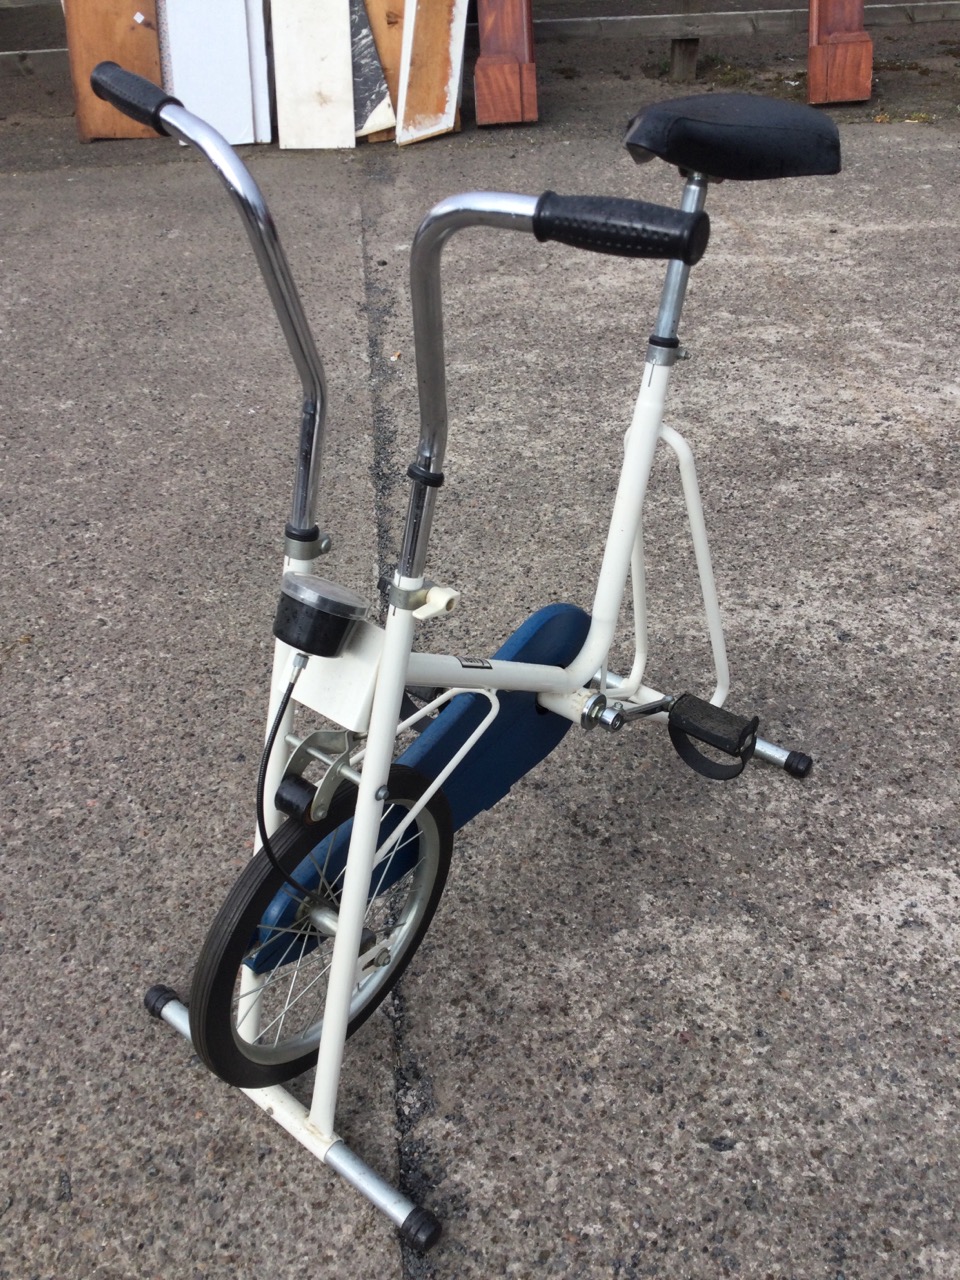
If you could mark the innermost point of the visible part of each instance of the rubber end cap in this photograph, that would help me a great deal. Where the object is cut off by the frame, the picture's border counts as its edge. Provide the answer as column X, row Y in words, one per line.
column 421, row 1230
column 157, row 998
column 798, row 765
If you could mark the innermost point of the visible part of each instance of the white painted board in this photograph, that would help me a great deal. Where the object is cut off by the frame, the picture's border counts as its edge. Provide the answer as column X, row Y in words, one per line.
column 206, row 58
column 259, row 72
column 313, row 73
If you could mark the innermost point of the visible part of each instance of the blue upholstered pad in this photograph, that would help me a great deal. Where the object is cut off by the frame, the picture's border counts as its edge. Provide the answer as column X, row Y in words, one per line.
column 520, row 737
column 522, row 734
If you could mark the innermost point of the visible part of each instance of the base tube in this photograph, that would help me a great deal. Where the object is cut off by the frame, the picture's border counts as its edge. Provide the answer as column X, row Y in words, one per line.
column 418, row 1227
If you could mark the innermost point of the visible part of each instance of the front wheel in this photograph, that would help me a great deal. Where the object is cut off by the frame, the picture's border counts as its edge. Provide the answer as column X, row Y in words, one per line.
column 259, row 989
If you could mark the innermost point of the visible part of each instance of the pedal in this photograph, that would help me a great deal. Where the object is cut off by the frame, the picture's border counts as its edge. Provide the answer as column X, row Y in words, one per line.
column 691, row 718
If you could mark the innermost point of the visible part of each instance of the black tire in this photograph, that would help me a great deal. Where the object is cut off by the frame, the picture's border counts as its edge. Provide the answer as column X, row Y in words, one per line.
column 263, row 926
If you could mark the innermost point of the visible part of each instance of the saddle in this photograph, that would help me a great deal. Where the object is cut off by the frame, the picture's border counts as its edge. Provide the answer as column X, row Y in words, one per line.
column 738, row 136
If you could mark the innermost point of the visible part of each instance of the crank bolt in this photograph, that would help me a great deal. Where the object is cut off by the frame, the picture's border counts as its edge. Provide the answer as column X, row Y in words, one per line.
column 593, row 710
column 611, row 719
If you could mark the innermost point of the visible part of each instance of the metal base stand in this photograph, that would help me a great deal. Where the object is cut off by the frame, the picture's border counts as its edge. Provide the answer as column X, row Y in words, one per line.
column 417, row 1226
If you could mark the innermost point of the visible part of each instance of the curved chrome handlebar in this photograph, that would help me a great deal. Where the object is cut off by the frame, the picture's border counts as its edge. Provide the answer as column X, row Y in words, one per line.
column 474, row 209
column 304, row 540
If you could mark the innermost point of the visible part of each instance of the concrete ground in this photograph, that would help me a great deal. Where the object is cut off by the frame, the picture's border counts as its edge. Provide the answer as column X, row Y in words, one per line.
column 661, row 1027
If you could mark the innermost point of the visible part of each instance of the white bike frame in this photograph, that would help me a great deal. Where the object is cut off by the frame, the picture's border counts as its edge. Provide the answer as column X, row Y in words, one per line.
column 366, row 686
column 564, row 690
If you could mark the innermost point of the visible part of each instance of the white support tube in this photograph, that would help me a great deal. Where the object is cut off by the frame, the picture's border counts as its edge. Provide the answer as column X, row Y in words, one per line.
column 294, row 1118
column 571, row 706
column 445, row 672
column 638, row 581
column 290, row 1114
column 701, row 551
column 641, row 445
column 248, row 1025
column 416, row 809
column 384, row 719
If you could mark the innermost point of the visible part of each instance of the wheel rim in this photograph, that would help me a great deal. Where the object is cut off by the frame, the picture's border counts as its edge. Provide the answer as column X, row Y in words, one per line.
column 281, row 983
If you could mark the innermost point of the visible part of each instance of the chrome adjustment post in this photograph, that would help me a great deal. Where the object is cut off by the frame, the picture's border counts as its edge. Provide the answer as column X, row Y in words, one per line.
column 664, row 345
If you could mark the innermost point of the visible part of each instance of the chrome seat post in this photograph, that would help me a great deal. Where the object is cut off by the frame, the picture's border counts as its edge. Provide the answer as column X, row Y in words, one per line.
column 678, row 273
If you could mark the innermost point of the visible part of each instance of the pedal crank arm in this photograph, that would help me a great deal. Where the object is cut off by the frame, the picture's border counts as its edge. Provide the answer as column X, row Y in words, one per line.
column 637, row 711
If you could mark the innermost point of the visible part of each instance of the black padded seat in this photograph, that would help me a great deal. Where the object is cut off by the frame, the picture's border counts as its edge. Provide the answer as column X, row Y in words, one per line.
column 740, row 136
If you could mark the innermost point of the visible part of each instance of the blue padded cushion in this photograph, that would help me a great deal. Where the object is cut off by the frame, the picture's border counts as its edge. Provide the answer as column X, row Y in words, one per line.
column 519, row 738
column 523, row 732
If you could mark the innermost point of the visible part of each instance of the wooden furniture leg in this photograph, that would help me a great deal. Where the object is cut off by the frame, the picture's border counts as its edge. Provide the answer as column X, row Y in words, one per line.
column 840, row 57
column 115, row 31
column 505, row 77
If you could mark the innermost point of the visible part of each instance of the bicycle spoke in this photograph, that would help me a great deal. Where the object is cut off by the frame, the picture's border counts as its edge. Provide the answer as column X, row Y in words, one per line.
column 293, row 982
column 281, row 940
column 270, row 978
column 296, row 1000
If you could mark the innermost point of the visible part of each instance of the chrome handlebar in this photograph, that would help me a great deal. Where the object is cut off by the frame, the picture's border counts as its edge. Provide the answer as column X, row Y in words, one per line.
column 304, row 540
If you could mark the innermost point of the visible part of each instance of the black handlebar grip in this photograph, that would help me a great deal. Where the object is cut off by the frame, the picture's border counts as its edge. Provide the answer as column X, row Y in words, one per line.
column 140, row 99
column 629, row 228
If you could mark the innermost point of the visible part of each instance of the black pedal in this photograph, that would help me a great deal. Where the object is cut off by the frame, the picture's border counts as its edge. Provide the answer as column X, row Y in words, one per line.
column 692, row 718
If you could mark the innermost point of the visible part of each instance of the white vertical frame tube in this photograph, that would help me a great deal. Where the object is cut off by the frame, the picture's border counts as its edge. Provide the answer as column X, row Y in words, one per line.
column 701, row 551
column 364, row 839
column 248, row 1006
column 641, row 643
column 640, row 448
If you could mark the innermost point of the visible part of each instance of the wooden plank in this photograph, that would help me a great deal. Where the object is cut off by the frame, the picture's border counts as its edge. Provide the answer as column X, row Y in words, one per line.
column 372, row 109
column 840, row 55
column 684, row 52
column 766, row 22
column 207, row 63
column 313, row 72
column 505, row 85
column 683, row 59
column 431, row 68
column 386, row 23
column 123, row 31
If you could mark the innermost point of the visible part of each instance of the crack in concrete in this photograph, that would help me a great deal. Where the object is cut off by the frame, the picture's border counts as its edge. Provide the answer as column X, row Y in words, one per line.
column 413, row 1099
column 412, row 1090
column 379, row 308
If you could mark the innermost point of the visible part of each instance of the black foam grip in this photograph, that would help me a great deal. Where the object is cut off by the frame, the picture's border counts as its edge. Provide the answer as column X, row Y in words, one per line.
column 629, row 228
column 140, row 99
